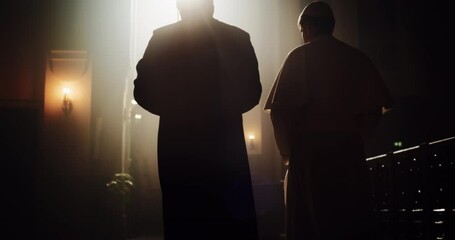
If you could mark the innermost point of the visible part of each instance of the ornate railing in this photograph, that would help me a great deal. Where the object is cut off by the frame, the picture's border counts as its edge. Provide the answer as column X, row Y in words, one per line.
column 414, row 191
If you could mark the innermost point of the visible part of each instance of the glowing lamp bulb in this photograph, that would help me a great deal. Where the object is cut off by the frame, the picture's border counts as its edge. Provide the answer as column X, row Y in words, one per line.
column 66, row 91
column 251, row 137
column 67, row 105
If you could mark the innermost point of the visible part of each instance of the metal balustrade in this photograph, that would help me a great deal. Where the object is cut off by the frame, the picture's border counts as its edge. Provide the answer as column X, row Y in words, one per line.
column 413, row 191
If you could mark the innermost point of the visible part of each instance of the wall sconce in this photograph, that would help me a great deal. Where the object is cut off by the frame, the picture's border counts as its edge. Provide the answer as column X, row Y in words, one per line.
column 69, row 68
column 68, row 65
column 67, row 105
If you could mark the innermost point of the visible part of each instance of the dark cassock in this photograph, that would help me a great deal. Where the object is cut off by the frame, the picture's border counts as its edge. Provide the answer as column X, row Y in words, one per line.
column 200, row 80
column 324, row 105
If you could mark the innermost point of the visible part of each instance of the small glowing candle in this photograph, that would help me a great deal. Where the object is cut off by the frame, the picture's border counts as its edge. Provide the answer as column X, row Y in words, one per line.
column 66, row 93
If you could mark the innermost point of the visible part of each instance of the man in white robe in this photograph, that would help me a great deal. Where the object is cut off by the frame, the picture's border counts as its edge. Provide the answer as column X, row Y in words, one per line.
column 324, row 104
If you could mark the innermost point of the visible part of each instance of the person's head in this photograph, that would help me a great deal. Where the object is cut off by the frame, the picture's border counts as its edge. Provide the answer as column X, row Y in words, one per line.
column 195, row 9
column 316, row 20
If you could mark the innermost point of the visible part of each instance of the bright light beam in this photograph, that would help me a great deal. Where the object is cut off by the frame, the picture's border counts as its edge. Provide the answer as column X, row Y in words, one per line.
column 150, row 15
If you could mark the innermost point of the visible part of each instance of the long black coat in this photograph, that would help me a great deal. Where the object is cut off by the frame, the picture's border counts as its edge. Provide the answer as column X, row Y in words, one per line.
column 200, row 80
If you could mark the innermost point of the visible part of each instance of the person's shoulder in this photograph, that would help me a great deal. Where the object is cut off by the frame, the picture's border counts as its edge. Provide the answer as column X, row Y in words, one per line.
column 355, row 56
column 349, row 48
column 167, row 29
column 298, row 51
column 230, row 28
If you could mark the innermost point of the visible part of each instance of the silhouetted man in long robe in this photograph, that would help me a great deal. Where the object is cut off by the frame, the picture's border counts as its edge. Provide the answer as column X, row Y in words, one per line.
column 324, row 105
column 200, row 75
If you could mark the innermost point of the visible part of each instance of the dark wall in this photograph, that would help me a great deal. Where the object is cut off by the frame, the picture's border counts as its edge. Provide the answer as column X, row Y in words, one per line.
column 21, row 43
column 409, row 42
column 41, row 201
column 19, row 128
column 21, row 107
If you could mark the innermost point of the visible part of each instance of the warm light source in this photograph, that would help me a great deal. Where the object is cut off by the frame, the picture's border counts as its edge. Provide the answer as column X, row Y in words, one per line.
column 67, row 105
column 68, row 72
column 251, row 138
